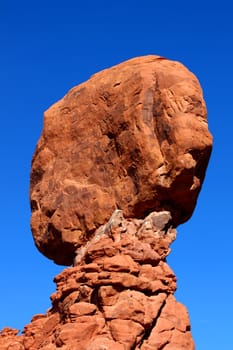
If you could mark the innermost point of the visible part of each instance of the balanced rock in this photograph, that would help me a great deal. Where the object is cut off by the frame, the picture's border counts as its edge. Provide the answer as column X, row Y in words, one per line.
column 134, row 137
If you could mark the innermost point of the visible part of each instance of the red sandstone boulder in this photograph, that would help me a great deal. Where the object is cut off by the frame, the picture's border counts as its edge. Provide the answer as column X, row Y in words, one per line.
column 133, row 137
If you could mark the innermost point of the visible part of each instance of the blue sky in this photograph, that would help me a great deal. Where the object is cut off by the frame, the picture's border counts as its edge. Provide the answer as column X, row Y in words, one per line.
column 47, row 47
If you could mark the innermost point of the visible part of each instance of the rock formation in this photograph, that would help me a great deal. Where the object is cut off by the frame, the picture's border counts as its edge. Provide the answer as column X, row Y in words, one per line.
column 119, row 296
column 133, row 137
column 119, row 165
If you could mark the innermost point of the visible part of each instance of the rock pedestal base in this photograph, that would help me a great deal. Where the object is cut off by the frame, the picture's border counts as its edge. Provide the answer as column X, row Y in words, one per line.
column 117, row 296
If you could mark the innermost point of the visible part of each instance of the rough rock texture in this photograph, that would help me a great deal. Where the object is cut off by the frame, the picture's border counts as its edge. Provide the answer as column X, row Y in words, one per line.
column 133, row 137
column 119, row 296
column 119, row 165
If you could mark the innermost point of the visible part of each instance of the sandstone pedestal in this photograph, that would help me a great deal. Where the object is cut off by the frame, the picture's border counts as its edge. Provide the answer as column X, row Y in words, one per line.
column 118, row 297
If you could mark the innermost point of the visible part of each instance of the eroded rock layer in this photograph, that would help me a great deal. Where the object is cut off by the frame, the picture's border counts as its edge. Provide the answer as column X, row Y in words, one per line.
column 133, row 137
column 118, row 296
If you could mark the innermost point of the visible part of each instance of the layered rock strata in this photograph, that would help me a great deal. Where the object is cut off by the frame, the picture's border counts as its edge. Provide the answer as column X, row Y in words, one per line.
column 118, row 296
column 133, row 137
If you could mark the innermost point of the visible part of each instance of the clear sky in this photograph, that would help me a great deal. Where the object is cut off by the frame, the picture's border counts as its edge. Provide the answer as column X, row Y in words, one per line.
column 47, row 47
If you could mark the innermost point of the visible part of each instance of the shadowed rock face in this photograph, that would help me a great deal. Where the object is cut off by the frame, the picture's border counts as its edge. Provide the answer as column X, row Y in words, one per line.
column 133, row 137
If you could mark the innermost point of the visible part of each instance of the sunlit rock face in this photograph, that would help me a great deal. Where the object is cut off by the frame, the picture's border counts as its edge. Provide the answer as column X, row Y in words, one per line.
column 118, row 166
column 133, row 137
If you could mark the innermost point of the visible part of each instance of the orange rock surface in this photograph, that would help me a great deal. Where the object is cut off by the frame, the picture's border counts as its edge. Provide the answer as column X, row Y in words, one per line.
column 119, row 296
column 118, row 166
column 133, row 137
